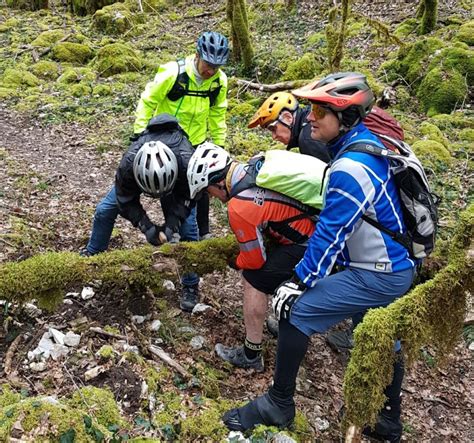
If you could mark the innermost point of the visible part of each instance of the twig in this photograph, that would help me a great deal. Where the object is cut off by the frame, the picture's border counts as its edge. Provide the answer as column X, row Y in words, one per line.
column 205, row 14
column 353, row 434
column 9, row 355
column 98, row 330
column 281, row 86
column 6, row 242
column 438, row 400
column 162, row 355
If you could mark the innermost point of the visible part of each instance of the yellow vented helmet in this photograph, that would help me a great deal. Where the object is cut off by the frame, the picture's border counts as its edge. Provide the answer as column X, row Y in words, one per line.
column 272, row 107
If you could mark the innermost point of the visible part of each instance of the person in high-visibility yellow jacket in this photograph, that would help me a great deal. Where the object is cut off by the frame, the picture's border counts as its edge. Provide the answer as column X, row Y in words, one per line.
column 201, row 105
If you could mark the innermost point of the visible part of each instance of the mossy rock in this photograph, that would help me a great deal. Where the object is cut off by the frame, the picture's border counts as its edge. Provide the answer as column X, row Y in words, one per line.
column 46, row 70
column 31, row 5
column 114, row 19
column 432, row 153
column 102, row 90
column 48, row 38
column 466, row 33
column 316, row 41
column 405, row 28
column 453, row 121
column 237, row 109
column 75, row 53
column 19, row 78
column 9, row 24
column 456, row 58
column 414, row 59
column 432, row 132
column 80, row 90
column 467, row 135
column 76, row 75
column 57, row 421
column 116, row 58
column 85, row 7
column 441, row 91
column 6, row 93
column 304, row 68
column 150, row 5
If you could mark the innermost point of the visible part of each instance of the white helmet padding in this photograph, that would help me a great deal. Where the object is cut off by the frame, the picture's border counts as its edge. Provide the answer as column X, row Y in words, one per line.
column 155, row 168
column 206, row 166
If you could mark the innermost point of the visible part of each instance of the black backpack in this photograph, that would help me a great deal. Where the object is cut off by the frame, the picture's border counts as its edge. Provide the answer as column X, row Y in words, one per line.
column 181, row 86
column 419, row 204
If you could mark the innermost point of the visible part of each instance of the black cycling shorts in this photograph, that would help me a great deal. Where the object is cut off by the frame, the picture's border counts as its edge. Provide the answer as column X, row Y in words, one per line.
column 281, row 260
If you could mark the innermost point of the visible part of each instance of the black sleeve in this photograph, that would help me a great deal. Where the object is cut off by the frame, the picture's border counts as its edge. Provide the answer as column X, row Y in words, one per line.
column 176, row 209
column 128, row 193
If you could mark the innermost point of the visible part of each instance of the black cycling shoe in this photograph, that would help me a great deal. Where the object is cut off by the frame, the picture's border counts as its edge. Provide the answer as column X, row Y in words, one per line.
column 340, row 341
column 388, row 427
column 262, row 410
column 189, row 297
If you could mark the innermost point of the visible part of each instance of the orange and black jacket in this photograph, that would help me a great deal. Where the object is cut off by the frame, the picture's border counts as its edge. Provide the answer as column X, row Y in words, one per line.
column 256, row 212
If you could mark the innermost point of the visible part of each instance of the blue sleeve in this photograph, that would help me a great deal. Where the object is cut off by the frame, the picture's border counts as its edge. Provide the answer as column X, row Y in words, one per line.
column 350, row 192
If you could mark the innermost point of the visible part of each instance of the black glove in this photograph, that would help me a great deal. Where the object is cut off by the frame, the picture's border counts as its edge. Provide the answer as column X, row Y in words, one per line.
column 150, row 230
column 285, row 296
column 152, row 236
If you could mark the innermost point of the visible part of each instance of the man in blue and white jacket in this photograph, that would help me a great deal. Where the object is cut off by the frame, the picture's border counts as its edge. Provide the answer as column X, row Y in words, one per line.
column 377, row 269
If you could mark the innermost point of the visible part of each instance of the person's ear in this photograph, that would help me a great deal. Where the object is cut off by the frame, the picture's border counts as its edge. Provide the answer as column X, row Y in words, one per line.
column 287, row 117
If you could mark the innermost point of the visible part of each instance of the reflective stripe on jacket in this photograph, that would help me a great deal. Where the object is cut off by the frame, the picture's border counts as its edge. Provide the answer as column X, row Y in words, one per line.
column 195, row 115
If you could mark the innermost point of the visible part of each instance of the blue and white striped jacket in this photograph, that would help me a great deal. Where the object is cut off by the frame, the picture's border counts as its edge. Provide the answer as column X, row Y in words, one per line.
column 358, row 184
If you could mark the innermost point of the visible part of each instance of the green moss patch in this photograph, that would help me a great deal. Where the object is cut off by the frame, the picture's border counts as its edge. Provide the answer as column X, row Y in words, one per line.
column 76, row 75
column 432, row 132
column 431, row 152
column 19, row 78
column 48, row 38
column 46, row 70
column 305, row 67
column 116, row 58
column 75, row 53
column 442, row 91
column 466, row 33
column 462, row 60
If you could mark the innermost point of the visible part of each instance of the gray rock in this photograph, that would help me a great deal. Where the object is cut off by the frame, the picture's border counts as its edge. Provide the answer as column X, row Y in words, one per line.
column 199, row 308
column 71, row 339
column 198, row 342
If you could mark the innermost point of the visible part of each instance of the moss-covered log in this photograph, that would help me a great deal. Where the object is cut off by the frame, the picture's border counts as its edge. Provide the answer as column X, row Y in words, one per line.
column 46, row 277
column 431, row 314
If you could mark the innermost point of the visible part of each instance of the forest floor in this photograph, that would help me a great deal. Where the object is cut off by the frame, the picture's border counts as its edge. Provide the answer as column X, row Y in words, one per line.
column 51, row 179
column 62, row 179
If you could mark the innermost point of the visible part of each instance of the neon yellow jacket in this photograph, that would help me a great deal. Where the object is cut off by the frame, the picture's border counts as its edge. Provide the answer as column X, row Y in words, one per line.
column 195, row 115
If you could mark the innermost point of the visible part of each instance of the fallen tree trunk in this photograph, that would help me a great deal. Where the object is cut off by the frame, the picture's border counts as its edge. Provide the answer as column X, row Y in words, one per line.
column 281, row 86
column 47, row 277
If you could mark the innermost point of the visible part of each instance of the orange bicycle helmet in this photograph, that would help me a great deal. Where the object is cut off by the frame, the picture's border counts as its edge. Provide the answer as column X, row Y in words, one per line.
column 272, row 107
column 340, row 92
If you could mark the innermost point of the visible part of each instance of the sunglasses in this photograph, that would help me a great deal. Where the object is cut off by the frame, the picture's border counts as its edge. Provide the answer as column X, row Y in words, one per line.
column 319, row 111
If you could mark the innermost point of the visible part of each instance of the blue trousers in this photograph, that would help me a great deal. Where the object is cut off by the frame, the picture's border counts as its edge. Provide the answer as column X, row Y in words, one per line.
column 347, row 294
column 104, row 220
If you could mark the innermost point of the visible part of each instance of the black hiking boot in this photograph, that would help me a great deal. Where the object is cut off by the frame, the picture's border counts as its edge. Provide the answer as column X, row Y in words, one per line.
column 189, row 297
column 388, row 427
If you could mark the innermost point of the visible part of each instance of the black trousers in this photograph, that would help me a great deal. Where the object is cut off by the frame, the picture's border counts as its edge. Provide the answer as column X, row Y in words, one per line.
column 202, row 214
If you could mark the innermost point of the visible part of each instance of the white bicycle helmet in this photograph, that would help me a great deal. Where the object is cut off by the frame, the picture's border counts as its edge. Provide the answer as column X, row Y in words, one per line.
column 155, row 168
column 206, row 166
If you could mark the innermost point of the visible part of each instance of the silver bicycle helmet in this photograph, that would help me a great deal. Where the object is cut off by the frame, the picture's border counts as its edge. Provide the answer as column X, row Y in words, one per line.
column 155, row 168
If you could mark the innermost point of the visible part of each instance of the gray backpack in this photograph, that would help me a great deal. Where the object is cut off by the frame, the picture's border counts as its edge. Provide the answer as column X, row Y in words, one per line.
column 419, row 204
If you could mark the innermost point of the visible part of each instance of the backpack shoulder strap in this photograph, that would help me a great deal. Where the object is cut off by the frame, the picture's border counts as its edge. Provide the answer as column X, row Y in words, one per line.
column 249, row 180
column 181, row 83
